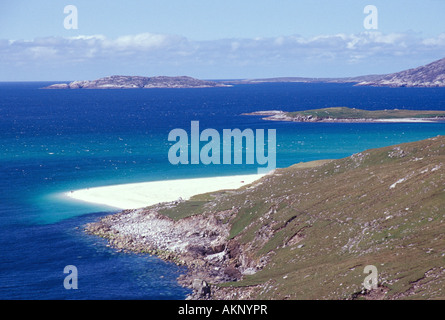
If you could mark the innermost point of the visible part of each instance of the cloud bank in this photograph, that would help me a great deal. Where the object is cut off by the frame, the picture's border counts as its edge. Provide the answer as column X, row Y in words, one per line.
column 92, row 56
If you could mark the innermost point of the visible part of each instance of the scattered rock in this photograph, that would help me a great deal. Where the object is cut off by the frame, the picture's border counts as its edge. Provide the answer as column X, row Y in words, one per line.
column 201, row 288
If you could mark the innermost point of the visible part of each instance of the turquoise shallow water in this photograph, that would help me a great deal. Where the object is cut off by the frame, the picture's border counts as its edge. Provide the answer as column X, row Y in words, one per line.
column 53, row 141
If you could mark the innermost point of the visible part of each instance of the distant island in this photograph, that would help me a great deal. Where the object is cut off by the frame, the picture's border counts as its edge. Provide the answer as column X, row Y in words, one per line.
column 137, row 82
column 428, row 76
column 344, row 114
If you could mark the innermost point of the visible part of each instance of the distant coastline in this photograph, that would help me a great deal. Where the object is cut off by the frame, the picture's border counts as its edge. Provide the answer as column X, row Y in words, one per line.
column 428, row 76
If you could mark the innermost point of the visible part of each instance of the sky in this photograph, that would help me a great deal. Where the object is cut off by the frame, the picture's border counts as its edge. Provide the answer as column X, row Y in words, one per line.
column 215, row 39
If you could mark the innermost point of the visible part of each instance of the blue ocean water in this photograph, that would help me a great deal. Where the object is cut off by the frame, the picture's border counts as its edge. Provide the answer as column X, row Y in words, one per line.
column 54, row 141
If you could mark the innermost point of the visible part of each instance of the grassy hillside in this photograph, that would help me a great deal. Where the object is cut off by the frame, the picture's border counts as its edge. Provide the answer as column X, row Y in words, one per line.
column 315, row 226
column 349, row 113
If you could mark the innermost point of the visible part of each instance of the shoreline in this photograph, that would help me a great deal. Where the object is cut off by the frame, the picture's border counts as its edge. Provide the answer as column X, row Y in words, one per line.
column 199, row 242
column 144, row 194
column 291, row 217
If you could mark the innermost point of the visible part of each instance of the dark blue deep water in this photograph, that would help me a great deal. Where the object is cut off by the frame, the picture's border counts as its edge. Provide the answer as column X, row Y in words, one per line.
column 54, row 141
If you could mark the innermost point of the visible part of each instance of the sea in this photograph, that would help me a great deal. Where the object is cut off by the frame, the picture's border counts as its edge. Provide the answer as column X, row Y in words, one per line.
column 55, row 141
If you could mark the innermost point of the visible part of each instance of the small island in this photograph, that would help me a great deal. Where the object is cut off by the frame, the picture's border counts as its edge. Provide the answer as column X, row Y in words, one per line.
column 137, row 82
column 344, row 114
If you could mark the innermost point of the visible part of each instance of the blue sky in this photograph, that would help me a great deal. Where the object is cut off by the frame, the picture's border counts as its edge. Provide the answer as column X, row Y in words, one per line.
column 216, row 39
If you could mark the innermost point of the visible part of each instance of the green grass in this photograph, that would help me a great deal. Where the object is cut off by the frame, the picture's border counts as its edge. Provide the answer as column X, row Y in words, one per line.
column 195, row 205
column 346, row 216
column 352, row 113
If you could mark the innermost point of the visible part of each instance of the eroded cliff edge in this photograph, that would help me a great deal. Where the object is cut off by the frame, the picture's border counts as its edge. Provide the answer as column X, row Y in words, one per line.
column 201, row 243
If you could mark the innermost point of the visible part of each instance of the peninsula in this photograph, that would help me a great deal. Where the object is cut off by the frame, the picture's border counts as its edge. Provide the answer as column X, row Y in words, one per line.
column 307, row 231
column 137, row 82
column 344, row 114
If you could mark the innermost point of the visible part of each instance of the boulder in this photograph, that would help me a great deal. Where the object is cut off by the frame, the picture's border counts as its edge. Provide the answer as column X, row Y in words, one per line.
column 201, row 288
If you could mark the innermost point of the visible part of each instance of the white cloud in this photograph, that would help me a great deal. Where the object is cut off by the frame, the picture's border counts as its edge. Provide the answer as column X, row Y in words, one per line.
column 291, row 53
column 438, row 41
column 144, row 41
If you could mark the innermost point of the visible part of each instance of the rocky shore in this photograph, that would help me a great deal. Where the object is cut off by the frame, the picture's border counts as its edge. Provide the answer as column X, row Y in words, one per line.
column 198, row 242
column 278, row 115
column 307, row 231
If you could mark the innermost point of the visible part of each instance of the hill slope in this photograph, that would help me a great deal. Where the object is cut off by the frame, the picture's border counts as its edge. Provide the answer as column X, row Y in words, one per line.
column 308, row 231
column 431, row 75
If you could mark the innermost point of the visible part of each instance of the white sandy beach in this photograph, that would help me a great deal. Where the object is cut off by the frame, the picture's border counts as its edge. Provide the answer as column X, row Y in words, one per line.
column 138, row 195
column 416, row 120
